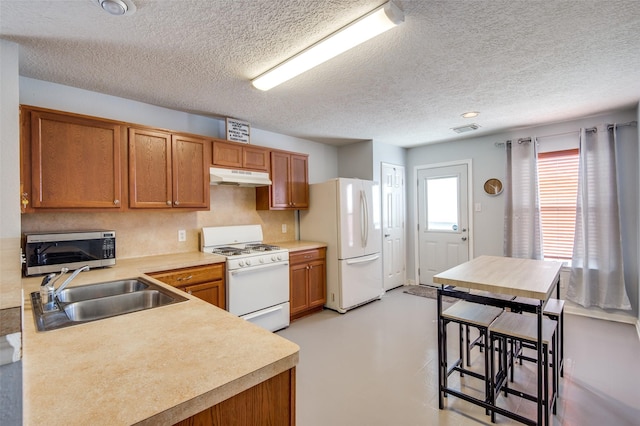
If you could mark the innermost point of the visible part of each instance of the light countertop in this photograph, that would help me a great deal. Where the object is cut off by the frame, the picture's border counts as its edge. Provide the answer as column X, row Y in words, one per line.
column 156, row 366
column 298, row 245
column 505, row 275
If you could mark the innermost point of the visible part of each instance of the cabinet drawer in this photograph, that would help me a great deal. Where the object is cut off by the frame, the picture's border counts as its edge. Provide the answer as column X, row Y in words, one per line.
column 306, row 255
column 189, row 276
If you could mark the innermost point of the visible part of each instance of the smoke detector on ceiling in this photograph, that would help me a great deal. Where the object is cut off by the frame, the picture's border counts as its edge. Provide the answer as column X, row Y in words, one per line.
column 116, row 7
column 467, row 128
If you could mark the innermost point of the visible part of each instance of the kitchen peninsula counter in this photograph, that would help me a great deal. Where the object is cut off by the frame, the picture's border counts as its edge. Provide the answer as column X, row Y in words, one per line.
column 157, row 366
column 299, row 245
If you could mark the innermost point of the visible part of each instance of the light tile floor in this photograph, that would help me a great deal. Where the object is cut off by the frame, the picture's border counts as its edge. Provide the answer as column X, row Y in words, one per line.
column 377, row 365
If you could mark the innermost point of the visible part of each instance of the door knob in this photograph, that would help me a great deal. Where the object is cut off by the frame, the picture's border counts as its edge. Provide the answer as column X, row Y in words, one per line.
column 387, row 235
column 464, row 238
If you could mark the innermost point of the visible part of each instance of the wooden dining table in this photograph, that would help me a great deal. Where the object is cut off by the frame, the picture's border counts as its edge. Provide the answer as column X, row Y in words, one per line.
column 534, row 279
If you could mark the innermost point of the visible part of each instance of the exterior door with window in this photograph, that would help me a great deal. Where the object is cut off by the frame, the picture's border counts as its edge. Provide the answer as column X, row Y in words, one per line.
column 393, row 241
column 443, row 217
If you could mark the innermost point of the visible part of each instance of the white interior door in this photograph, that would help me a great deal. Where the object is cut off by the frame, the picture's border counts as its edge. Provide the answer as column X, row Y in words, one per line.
column 443, row 218
column 393, row 213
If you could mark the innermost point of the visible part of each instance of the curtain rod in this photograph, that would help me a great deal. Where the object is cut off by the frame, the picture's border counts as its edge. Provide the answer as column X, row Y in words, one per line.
column 611, row 126
column 521, row 140
column 628, row 123
column 590, row 129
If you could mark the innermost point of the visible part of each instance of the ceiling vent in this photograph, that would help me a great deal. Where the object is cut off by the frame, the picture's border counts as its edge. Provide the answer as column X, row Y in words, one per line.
column 465, row 129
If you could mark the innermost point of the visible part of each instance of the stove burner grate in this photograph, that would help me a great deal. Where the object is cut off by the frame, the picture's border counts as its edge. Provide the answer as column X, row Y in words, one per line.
column 230, row 251
column 262, row 247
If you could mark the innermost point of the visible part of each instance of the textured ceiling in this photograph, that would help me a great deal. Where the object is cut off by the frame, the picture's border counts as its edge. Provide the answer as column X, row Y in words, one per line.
column 520, row 63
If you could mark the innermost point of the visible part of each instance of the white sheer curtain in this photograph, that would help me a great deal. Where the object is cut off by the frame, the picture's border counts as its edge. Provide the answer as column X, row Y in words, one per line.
column 597, row 276
column 522, row 231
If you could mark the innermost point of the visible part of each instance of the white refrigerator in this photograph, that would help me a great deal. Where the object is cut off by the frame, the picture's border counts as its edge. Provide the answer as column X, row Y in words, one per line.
column 345, row 214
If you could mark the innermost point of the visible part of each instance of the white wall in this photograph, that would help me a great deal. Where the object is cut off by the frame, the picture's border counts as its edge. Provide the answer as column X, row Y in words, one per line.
column 489, row 161
column 10, row 287
column 10, row 290
column 323, row 163
column 322, row 158
column 9, row 141
column 356, row 160
column 362, row 159
column 385, row 153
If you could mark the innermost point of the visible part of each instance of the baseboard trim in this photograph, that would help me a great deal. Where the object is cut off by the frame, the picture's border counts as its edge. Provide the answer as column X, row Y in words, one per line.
column 600, row 314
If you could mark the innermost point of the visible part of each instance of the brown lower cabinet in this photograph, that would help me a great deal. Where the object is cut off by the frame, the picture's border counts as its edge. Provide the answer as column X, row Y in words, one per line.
column 307, row 282
column 271, row 402
column 205, row 282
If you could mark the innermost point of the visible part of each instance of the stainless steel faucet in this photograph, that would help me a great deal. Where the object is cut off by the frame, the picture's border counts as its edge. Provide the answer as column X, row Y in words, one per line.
column 68, row 280
column 48, row 292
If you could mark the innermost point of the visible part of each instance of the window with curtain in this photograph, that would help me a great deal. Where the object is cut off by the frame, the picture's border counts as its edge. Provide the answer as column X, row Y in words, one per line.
column 558, row 188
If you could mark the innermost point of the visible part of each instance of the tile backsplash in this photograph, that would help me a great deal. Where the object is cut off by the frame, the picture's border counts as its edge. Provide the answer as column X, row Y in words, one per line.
column 144, row 233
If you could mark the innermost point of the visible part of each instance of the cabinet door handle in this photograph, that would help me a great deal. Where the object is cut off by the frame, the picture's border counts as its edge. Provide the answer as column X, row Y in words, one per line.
column 177, row 203
column 190, row 292
column 185, row 278
column 116, row 202
column 168, row 202
column 24, row 201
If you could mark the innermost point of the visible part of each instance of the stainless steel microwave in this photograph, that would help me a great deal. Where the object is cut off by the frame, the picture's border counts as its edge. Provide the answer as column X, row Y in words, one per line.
column 50, row 252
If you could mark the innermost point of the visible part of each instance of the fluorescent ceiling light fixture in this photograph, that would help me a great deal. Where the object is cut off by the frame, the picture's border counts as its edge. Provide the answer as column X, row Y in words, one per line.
column 471, row 114
column 368, row 26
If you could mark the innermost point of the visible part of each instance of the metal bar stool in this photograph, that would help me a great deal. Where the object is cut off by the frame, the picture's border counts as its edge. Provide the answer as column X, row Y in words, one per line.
column 554, row 309
column 522, row 329
column 479, row 341
column 467, row 314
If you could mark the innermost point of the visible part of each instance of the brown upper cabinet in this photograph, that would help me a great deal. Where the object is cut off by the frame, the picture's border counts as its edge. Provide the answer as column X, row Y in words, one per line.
column 167, row 170
column 240, row 156
column 290, row 183
column 70, row 161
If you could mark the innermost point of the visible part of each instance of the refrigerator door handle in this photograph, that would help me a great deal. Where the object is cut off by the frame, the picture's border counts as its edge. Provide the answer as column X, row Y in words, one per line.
column 364, row 215
column 363, row 260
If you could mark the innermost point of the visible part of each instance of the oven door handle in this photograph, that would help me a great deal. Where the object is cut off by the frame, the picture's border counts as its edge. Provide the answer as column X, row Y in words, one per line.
column 255, row 268
column 262, row 312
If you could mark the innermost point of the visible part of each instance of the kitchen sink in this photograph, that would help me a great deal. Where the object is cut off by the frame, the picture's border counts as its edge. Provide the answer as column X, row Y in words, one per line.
column 86, row 303
column 94, row 291
column 104, row 307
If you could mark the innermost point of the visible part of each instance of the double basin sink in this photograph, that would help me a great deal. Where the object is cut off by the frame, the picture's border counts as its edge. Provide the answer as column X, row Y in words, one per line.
column 86, row 303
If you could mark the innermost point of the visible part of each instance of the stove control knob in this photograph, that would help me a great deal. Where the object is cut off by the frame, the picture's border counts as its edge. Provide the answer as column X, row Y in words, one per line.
column 273, row 258
column 241, row 263
column 261, row 260
column 279, row 257
column 248, row 262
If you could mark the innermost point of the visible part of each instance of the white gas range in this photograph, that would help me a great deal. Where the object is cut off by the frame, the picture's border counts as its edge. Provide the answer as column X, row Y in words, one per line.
column 257, row 274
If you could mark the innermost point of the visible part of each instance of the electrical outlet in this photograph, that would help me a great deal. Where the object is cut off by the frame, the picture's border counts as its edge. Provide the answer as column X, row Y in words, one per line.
column 182, row 235
column 284, row 228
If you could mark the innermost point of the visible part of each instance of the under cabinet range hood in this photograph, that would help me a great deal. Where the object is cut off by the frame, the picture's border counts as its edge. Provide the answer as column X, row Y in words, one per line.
column 220, row 176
